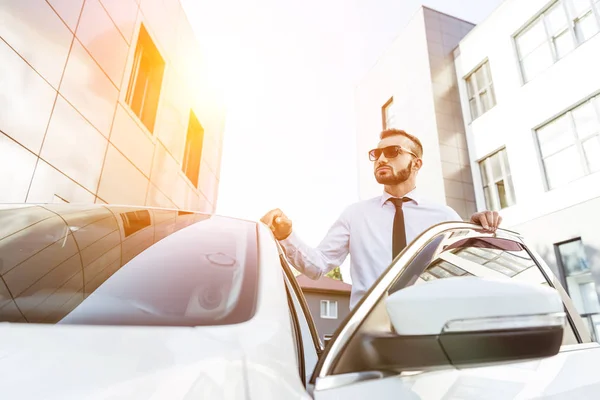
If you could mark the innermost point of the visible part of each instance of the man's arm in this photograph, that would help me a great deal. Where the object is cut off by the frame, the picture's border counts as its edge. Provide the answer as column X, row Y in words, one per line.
column 489, row 220
column 312, row 262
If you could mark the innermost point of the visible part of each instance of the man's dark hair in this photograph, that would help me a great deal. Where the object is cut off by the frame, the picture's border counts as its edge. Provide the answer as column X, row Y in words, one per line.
column 417, row 147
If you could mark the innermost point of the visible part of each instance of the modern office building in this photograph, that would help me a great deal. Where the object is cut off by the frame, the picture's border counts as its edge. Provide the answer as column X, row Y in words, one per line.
column 413, row 87
column 529, row 79
column 106, row 101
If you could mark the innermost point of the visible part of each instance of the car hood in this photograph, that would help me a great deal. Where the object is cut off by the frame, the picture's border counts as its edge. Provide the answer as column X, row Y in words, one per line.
column 98, row 362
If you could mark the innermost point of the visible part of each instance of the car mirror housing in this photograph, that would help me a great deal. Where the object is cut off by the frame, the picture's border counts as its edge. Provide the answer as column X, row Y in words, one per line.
column 469, row 321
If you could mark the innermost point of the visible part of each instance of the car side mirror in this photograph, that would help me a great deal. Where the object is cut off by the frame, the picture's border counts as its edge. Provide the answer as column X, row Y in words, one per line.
column 469, row 321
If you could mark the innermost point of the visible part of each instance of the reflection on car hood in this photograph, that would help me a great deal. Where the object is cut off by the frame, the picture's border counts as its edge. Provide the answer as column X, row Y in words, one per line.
column 93, row 362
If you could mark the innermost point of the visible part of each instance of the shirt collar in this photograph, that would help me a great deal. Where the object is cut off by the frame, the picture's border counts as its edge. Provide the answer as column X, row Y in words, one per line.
column 413, row 195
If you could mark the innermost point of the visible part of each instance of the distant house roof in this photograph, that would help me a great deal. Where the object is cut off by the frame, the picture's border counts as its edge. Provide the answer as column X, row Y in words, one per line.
column 323, row 284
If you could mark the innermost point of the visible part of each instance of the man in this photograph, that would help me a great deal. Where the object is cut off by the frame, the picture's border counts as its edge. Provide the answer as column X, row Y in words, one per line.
column 374, row 231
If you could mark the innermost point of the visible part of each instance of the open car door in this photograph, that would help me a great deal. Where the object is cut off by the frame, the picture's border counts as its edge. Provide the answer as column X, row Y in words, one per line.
column 462, row 314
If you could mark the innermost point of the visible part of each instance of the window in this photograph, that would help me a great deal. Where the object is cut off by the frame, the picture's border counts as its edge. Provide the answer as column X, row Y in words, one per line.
column 206, row 277
column 193, row 150
column 145, row 83
column 309, row 348
column 480, row 89
column 135, row 221
column 329, row 309
column 555, row 33
column 387, row 114
column 580, row 283
column 570, row 144
column 497, row 181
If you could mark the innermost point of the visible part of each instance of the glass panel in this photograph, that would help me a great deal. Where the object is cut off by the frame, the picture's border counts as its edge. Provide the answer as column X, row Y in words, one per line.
column 480, row 77
column 596, row 318
column 471, row 90
column 589, row 295
column 440, row 273
column 487, row 101
column 496, row 167
column 140, row 280
column 333, row 309
column 485, row 165
column 556, row 19
column 531, row 39
column 563, row 167
column 323, row 308
column 504, row 202
column 503, row 269
column 572, row 255
column 487, row 254
column 555, row 136
column 451, row 268
column 536, row 62
column 488, row 73
column 563, row 43
column 591, row 148
column 586, row 27
column 473, row 106
column 489, row 203
column 586, row 120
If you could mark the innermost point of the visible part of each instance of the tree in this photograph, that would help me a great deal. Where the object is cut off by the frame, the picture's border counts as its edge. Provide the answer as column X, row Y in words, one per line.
column 335, row 274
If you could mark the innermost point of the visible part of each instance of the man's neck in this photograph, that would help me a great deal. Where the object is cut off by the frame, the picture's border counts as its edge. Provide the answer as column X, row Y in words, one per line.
column 401, row 189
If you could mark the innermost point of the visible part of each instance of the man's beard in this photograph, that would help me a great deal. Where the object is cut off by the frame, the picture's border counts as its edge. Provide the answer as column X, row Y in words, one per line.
column 396, row 179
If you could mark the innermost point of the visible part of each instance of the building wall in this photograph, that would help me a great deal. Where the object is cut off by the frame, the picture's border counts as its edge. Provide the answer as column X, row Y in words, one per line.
column 444, row 32
column 417, row 71
column 521, row 108
column 545, row 217
column 66, row 130
column 327, row 326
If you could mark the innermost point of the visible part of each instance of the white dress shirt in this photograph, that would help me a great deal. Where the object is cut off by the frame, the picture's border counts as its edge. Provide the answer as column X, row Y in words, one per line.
column 364, row 230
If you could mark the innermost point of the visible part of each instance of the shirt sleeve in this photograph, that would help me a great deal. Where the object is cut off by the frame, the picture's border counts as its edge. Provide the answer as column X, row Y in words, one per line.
column 330, row 253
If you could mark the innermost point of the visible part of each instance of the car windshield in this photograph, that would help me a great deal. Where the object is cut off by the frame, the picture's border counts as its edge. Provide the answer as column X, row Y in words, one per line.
column 100, row 265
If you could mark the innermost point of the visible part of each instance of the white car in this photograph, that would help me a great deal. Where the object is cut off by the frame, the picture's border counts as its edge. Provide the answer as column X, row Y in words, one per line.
column 108, row 302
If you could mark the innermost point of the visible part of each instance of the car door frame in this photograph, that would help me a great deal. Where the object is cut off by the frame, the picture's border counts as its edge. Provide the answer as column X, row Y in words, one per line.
column 290, row 279
column 349, row 327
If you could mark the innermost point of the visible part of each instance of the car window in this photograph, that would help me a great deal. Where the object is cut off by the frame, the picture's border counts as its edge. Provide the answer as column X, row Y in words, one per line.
column 311, row 355
column 486, row 257
column 64, row 264
column 295, row 327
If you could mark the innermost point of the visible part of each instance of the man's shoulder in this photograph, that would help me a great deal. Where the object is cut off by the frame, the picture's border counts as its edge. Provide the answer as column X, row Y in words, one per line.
column 361, row 206
column 448, row 213
column 443, row 210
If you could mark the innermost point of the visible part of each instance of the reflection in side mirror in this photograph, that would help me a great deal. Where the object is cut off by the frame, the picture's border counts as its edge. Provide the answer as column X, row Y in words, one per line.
column 470, row 321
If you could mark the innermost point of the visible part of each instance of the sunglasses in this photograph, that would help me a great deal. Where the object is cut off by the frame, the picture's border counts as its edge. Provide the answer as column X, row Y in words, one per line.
column 389, row 152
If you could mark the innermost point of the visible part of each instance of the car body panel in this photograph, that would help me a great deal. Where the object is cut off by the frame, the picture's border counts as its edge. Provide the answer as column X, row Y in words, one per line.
column 255, row 358
column 251, row 359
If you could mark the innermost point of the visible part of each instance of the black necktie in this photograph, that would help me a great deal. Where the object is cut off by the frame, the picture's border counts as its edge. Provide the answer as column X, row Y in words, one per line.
column 399, row 233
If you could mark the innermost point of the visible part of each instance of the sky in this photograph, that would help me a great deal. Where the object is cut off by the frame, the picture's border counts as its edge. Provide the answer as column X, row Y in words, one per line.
column 288, row 70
